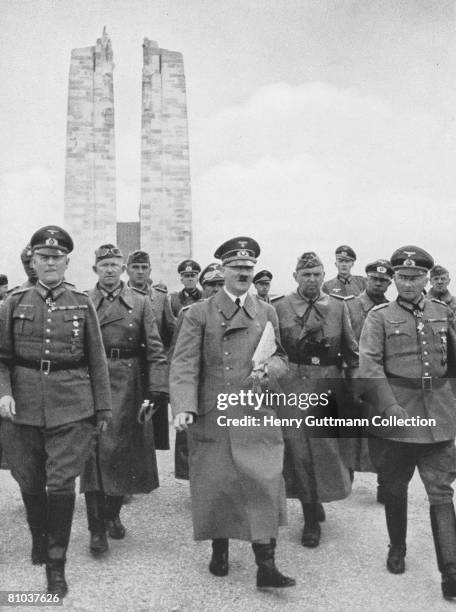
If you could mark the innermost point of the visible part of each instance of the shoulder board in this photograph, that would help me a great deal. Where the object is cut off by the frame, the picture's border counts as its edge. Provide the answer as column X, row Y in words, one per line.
column 438, row 301
column 10, row 291
column 275, row 298
column 338, row 297
column 69, row 284
column 185, row 308
column 140, row 291
column 349, row 297
column 18, row 290
column 380, row 306
column 160, row 288
column 73, row 289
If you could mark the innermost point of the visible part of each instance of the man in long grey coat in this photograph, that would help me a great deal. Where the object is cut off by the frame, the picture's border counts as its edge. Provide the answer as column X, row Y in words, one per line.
column 317, row 335
column 235, row 471
column 138, row 369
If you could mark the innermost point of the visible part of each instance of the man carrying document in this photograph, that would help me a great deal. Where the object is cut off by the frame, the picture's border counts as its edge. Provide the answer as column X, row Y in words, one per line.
column 235, row 472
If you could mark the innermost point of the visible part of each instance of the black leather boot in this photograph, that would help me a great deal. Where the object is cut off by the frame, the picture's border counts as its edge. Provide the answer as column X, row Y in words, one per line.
column 443, row 523
column 219, row 561
column 268, row 575
column 312, row 531
column 36, row 509
column 396, row 522
column 60, row 518
column 95, row 519
column 114, row 527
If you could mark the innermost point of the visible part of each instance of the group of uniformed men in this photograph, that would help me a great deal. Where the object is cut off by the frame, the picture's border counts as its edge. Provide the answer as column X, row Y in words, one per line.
column 84, row 385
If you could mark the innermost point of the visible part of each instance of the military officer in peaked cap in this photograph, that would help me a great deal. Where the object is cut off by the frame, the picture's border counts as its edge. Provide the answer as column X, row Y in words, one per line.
column 235, row 472
column 440, row 279
column 317, row 335
column 125, row 462
column 262, row 281
column 211, row 280
column 188, row 271
column 139, row 271
column 407, row 350
column 54, row 385
column 345, row 283
column 379, row 276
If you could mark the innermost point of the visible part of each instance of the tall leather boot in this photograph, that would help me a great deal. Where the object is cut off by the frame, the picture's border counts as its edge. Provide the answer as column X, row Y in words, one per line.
column 443, row 523
column 114, row 527
column 312, row 531
column 60, row 517
column 219, row 561
column 36, row 510
column 267, row 574
column 95, row 519
column 396, row 522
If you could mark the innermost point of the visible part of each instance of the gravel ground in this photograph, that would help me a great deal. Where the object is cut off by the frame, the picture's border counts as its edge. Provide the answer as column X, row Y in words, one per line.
column 159, row 567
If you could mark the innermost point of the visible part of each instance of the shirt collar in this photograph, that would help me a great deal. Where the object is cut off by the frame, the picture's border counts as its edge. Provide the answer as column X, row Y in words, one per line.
column 343, row 280
column 242, row 297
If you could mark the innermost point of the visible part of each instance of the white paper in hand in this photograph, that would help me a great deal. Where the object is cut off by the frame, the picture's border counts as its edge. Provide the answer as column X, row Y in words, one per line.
column 266, row 347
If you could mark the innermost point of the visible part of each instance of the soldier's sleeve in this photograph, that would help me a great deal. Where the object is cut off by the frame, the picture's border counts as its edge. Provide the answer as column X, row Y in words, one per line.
column 157, row 364
column 169, row 321
column 185, row 364
column 350, row 349
column 176, row 331
column 6, row 346
column 374, row 383
column 97, row 362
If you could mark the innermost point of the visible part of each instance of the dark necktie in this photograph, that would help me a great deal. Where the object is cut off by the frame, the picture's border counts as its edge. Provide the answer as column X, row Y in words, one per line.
column 237, row 301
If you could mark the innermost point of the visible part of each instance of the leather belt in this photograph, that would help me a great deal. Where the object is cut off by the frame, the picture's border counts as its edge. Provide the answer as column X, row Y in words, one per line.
column 117, row 353
column 426, row 383
column 46, row 366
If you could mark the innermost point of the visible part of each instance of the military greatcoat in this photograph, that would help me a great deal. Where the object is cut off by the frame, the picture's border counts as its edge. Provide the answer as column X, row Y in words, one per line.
column 236, row 478
column 127, row 462
column 317, row 337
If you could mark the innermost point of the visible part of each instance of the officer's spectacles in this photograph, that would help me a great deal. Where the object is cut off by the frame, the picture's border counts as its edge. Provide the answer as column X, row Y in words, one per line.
column 114, row 251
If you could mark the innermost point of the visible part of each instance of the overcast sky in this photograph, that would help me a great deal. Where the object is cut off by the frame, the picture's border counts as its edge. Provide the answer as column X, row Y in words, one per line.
column 312, row 123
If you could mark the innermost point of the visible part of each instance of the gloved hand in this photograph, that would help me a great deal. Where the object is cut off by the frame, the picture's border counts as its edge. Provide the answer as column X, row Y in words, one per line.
column 102, row 418
column 183, row 420
column 7, row 407
column 396, row 411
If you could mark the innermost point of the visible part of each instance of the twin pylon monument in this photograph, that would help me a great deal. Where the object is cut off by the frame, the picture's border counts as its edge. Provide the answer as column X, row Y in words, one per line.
column 163, row 226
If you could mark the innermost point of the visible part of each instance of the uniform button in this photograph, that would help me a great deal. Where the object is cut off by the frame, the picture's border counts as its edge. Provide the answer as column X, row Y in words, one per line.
column 46, row 352
column 22, row 316
column 426, row 364
column 130, row 311
column 130, row 325
column 49, row 320
column 424, row 341
column 227, row 368
column 130, row 339
column 422, row 333
column 129, row 365
column 48, row 331
column 226, row 353
column 397, row 331
column 228, row 384
column 75, row 317
column 425, row 353
column 222, row 324
column 426, row 373
column 47, row 340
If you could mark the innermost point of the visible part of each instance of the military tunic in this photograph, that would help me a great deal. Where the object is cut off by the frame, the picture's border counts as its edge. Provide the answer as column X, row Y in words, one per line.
column 127, row 462
column 53, row 364
column 179, row 299
column 317, row 338
column 352, row 285
column 406, row 354
column 236, row 478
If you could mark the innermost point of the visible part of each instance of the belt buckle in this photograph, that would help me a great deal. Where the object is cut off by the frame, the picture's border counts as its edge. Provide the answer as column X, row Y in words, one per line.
column 314, row 360
column 115, row 353
column 45, row 366
column 426, row 383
